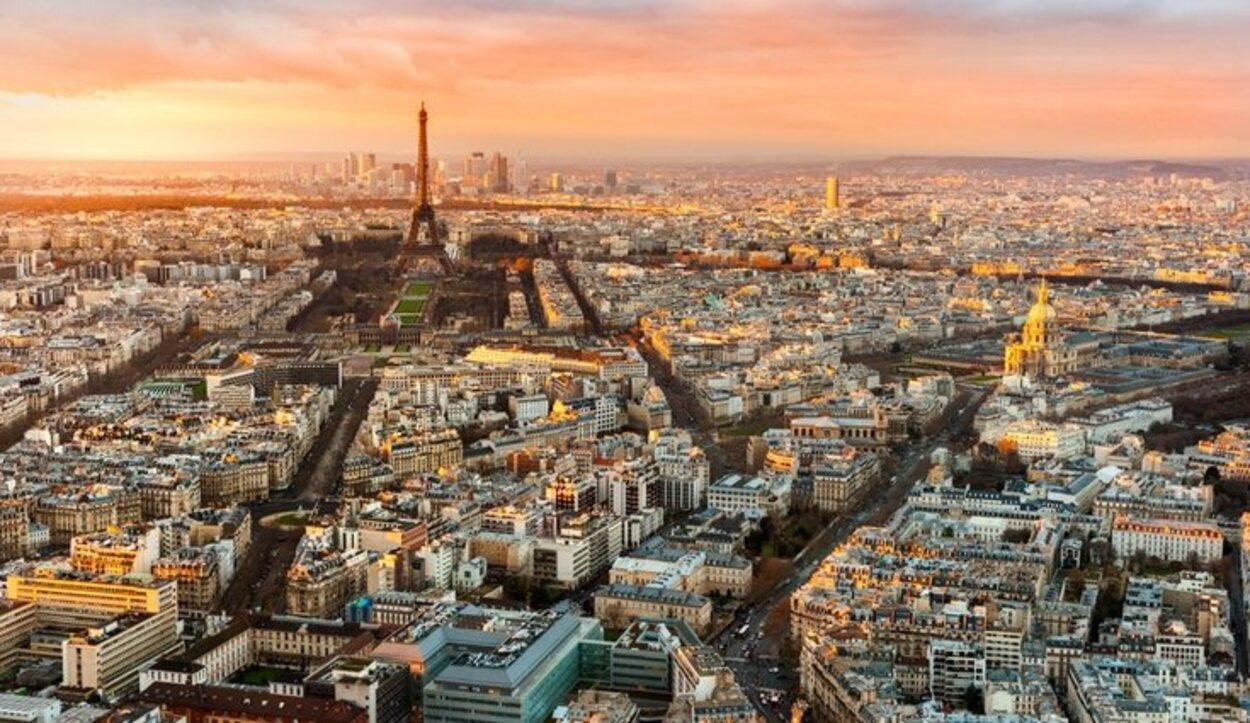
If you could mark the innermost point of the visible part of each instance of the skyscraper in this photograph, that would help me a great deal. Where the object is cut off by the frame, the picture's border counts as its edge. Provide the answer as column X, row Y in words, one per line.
column 521, row 174
column 557, row 182
column 499, row 173
column 832, row 200
column 609, row 179
column 474, row 168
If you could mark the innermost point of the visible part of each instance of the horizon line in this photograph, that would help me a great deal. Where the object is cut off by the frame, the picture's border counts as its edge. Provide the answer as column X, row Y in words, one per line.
column 790, row 159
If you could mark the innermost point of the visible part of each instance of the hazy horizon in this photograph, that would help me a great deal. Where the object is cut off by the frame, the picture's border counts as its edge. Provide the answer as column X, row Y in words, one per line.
column 616, row 162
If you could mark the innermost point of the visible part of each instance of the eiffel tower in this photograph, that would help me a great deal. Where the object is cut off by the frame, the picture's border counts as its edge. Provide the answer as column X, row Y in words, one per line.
column 423, row 214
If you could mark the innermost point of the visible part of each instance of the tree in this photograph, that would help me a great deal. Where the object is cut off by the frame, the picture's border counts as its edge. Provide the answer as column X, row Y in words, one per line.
column 973, row 701
column 1110, row 605
column 1231, row 496
column 1076, row 581
column 1018, row 536
column 518, row 588
column 614, row 617
column 760, row 536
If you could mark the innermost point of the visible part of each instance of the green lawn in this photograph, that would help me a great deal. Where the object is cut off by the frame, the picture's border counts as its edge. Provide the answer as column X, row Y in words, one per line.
column 293, row 519
column 258, row 675
column 409, row 305
column 417, row 288
column 1230, row 332
column 753, row 428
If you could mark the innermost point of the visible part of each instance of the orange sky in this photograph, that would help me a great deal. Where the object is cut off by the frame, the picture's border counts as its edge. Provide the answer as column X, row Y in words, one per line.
column 616, row 79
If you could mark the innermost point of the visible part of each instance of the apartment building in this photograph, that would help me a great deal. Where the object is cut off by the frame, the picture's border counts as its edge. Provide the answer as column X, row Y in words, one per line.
column 74, row 599
column 1034, row 439
column 14, row 526
column 116, row 551
column 71, row 512
column 17, row 623
column 583, row 547
column 322, row 579
column 1171, row 540
column 954, row 668
column 233, row 480
column 618, row 605
column 735, row 493
column 424, row 453
column 108, row 657
column 840, row 480
column 196, row 572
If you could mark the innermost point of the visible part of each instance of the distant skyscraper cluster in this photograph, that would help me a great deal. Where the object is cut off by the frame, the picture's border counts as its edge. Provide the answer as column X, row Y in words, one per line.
column 490, row 175
column 477, row 173
column 362, row 170
column 356, row 165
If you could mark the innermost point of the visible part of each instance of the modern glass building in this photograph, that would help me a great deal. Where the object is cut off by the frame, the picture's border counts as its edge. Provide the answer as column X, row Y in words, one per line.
column 522, row 679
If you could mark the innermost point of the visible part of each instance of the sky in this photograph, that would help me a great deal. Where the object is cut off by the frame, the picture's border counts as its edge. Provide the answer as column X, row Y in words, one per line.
column 701, row 80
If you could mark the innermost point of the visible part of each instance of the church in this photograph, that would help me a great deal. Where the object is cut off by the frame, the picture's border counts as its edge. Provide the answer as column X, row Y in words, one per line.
column 1040, row 350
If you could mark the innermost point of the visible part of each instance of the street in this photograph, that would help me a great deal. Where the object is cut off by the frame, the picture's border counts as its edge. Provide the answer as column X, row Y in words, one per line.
column 259, row 577
column 1237, row 605
column 762, row 676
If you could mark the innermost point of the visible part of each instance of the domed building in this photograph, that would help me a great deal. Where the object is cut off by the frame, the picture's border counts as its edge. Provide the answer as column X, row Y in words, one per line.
column 1040, row 349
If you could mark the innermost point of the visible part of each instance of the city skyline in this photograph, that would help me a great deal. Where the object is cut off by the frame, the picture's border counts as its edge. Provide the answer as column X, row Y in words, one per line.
column 625, row 361
column 574, row 81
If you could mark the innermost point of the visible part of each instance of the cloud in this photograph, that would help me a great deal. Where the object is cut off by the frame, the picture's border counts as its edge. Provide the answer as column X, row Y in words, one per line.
column 78, row 47
column 658, row 74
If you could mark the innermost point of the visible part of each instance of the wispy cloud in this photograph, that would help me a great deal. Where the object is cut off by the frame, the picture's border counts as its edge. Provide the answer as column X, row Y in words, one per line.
column 830, row 75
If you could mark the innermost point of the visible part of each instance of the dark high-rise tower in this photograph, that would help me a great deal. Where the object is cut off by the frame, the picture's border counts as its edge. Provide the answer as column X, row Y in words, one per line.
column 423, row 214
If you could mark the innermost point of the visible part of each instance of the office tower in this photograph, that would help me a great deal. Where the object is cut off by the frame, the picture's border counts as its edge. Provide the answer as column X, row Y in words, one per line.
column 609, row 179
column 519, row 671
column 831, row 194
column 499, row 173
column 119, row 623
column 521, row 174
column 474, row 167
column 557, row 182
column 368, row 162
column 345, row 174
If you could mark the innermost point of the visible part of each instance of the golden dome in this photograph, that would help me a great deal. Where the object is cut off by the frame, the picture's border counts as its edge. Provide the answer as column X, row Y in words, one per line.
column 1042, row 311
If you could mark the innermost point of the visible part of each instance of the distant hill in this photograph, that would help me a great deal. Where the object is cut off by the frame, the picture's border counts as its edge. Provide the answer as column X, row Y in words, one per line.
column 1007, row 166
